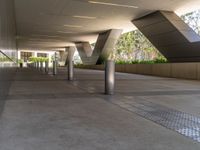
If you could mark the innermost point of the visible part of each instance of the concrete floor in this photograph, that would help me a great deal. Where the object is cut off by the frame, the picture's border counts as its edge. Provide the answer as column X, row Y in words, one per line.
column 45, row 112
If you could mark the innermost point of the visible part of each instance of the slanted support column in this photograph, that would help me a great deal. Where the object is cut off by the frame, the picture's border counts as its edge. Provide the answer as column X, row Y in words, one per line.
column 170, row 35
column 109, row 77
column 70, row 63
column 86, row 53
column 103, row 47
column 63, row 58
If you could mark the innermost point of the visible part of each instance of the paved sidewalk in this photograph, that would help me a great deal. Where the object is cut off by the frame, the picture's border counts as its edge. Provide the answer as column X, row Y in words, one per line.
column 45, row 112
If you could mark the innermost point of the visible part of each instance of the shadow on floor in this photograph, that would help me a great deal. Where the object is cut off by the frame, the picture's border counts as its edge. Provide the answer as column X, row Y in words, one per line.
column 6, row 78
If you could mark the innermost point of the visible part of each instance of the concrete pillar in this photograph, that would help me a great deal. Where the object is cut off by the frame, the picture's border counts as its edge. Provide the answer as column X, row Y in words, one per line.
column 71, row 70
column 54, row 67
column 55, row 64
column 46, row 67
column 109, row 77
column 70, row 50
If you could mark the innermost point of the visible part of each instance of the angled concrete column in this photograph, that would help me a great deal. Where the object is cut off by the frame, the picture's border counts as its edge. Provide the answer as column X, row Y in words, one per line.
column 109, row 77
column 71, row 50
column 63, row 58
column 171, row 36
column 85, row 51
column 103, row 47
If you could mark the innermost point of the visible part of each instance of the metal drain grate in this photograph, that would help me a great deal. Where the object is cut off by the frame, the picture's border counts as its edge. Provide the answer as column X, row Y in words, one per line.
column 183, row 123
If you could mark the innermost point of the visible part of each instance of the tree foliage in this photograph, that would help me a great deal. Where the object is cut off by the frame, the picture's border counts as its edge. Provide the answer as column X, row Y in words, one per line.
column 193, row 20
column 135, row 46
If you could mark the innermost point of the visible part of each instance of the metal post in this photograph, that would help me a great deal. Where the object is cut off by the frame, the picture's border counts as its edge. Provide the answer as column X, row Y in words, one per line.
column 46, row 67
column 54, row 67
column 41, row 66
column 70, row 70
column 109, row 77
column 38, row 65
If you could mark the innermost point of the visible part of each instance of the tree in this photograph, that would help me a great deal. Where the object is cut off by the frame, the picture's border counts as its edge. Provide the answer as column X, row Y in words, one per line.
column 135, row 46
column 193, row 20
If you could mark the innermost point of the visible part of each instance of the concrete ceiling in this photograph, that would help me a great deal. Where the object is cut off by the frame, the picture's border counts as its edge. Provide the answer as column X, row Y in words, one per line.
column 54, row 24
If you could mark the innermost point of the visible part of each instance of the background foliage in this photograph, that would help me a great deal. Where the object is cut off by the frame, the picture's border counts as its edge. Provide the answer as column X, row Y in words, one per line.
column 38, row 59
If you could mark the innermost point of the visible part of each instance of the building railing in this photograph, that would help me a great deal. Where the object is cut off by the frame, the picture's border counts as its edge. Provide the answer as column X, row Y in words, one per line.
column 6, row 61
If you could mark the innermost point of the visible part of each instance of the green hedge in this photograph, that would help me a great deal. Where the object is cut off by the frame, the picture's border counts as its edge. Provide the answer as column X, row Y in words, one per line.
column 4, row 59
column 156, row 61
column 38, row 59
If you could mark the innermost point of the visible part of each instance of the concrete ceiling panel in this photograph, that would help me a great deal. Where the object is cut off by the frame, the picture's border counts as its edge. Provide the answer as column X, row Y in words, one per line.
column 64, row 19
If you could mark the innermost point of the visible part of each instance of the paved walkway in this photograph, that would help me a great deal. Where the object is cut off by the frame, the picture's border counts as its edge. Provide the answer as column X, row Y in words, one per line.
column 45, row 112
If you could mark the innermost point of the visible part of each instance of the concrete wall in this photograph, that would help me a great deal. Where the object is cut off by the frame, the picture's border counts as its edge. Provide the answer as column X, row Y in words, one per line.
column 171, row 70
column 8, row 28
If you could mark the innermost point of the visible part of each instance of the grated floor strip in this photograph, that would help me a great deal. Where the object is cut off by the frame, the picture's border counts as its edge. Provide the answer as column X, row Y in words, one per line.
column 181, row 122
